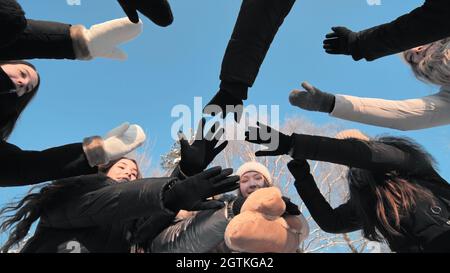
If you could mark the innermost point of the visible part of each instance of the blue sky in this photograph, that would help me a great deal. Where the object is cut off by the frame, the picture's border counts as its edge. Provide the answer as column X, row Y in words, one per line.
column 169, row 66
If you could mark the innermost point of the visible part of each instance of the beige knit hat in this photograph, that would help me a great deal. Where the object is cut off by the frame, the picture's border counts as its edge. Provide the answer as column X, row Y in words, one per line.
column 253, row 166
column 352, row 133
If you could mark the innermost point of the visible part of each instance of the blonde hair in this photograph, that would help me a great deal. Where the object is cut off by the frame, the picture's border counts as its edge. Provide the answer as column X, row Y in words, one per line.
column 435, row 66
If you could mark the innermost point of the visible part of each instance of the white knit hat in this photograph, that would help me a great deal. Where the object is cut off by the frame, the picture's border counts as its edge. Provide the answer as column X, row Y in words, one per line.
column 253, row 166
column 352, row 133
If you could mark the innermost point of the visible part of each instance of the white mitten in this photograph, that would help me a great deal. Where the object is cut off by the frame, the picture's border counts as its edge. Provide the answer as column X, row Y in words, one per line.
column 101, row 40
column 122, row 140
column 116, row 144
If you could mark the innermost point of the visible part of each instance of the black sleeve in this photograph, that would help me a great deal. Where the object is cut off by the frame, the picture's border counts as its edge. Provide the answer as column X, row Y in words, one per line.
column 439, row 244
column 371, row 155
column 12, row 22
column 424, row 25
column 342, row 219
column 41, row 40
column 116, row 203
column 256, row 26
column 18, row 167
column 146, row 229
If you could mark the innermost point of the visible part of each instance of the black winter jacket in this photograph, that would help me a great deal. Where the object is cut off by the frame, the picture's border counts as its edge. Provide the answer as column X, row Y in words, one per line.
column 426, row 24
column 21, row 38
column 18, row 167
column 426, row 230
column 97, row 214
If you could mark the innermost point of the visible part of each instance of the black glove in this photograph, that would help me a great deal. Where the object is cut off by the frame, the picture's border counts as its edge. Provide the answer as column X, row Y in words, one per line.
column 190, row 194
column 340, row 41
column 278, row 143
column 196, row 157
column 225, row 103
column 291, row 208
column 312, row 99
column 156, row 10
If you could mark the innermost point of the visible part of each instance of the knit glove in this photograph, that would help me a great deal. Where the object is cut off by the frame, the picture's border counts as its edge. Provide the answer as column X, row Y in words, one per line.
column 312, row 99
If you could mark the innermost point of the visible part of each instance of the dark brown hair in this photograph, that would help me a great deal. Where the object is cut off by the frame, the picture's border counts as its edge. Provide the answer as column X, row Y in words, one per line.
column 8, row 122
column 383, row 199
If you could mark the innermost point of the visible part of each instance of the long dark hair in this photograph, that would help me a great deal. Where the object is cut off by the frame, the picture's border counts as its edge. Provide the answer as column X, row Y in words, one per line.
column 382, row 199
column 29, row 209
column 8, row 122
column 19, row 216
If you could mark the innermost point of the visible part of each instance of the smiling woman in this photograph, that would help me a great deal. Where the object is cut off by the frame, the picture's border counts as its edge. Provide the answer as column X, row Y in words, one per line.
column 205, row 231
column 22, row 38
column 254, row 176
column 105, row 213
column 19, row 84
column 124, row 170
column 23, row 75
